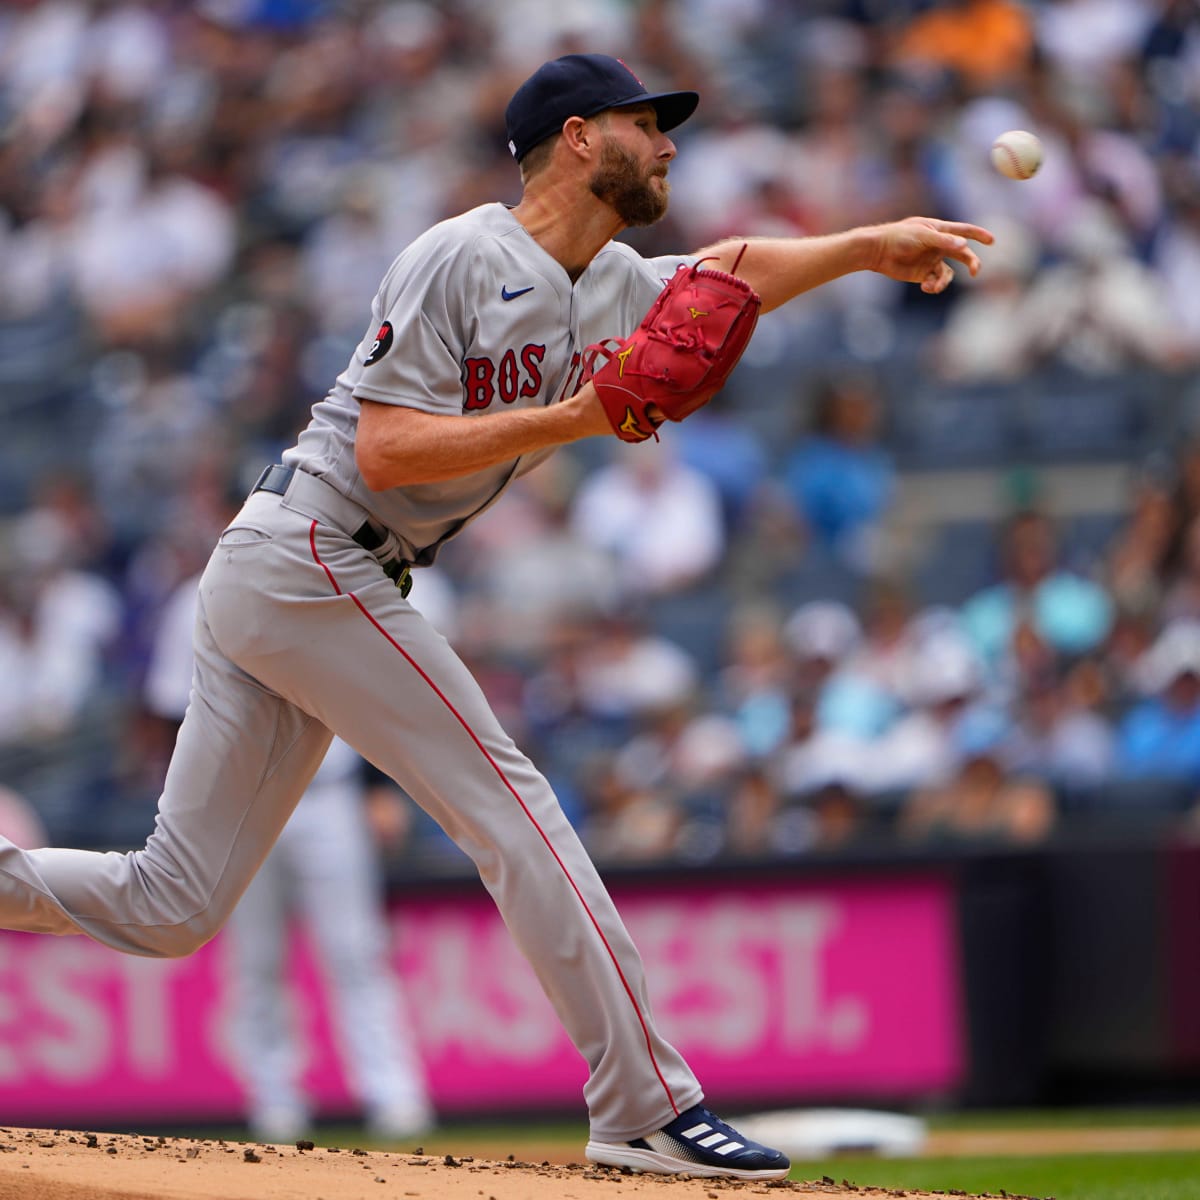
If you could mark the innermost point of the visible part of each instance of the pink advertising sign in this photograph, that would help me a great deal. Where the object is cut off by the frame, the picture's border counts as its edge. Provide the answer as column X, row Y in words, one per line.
column 773, row 992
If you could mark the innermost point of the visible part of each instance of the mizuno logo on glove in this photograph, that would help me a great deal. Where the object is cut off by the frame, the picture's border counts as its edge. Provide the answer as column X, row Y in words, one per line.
column 679, row 357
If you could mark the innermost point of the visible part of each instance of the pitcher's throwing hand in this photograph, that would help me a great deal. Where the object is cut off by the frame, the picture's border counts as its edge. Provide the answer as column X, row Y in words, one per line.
column 915, row 250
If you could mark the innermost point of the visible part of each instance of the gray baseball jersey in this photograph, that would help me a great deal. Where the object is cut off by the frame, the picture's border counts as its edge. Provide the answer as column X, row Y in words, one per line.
column 473, row 317
column 300, row 632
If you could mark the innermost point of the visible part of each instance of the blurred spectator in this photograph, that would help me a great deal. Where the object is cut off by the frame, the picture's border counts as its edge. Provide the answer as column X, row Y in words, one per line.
column 816, row 759
column 1081, row 39
column 1181, row 600
column 683, row 765
column 1058, row 737
column 527, row 572
column 63, row 499
column 661, row 521
column 752, row 811
column 599, row 679
column 58, row 622
column 984, row 43
column 1042, row 207
column 820, row 634
column 345, row 255
column 20, row 822
column 982, row 800
column 626, row 671
column 682, row 748
column 755, row 677
column 1123, row 657
column 774, row 208
column 840, row 478
column 626, row 821
column 1114, row 167
column 891, row 638
column 1139, row 557
column 1186, row 498
column 1101, row 310
column 36, row 237
column 1160, row 737
column 991, row 333
column 1069, row 613
column 725, row 163
column 925, row 746
column 1175, row 257
column 822, row 779
column 835, row 160
column 836, row 818
column 872, row 683
column 823, row 804
column 157, row 425
column 139, row 267
column 720, row 445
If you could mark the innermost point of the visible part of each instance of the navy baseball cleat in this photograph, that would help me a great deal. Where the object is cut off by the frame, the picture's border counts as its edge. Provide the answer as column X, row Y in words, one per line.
column 694, row 1143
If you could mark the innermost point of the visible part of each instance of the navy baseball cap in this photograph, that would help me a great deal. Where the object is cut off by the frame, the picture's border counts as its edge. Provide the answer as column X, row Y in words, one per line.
column 581, row 85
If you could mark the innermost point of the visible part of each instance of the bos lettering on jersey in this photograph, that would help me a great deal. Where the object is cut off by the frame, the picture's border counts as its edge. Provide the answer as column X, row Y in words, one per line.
column 517, row 373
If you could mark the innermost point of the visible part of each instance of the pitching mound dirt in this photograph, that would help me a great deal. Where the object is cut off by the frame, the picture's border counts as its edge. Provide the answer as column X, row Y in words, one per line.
column 61, row 1165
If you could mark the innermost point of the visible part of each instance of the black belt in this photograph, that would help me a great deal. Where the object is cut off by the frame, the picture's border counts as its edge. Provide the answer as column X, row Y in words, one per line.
column 276, row 479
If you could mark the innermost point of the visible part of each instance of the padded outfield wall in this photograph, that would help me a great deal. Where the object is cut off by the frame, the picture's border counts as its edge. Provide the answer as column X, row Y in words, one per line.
column 978, row 978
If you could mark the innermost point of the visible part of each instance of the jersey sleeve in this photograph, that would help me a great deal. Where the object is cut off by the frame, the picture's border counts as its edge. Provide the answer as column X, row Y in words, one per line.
column 410, row 356
column 651, row 276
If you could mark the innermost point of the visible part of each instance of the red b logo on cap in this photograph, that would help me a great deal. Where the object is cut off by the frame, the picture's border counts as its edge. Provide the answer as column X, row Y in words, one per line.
column 626, row 66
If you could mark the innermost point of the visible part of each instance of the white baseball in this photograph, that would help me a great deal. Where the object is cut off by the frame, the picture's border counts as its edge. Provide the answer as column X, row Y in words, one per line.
column 1017, row 154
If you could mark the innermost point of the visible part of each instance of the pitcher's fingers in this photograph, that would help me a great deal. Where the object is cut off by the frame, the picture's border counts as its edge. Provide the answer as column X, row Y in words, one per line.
column 977, row 233
column 937, row 280
column 952, row 246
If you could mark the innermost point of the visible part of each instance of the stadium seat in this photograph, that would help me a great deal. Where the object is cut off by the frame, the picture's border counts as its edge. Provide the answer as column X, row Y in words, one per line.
column 1067, row 417
column 944, row 427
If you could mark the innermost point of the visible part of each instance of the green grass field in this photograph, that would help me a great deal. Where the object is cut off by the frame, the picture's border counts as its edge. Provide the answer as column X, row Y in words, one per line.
column 1170, row 1176
column 1079, row 1176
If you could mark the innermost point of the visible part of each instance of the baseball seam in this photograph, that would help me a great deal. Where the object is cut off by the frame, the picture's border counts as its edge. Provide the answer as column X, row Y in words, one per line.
column 1011, row 154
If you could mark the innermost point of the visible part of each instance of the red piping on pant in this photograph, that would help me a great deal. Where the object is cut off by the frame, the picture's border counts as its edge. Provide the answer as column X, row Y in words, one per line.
column 312, row 541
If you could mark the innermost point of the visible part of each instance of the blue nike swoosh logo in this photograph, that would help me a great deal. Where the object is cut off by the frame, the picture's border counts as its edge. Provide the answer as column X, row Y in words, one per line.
column 505, row 294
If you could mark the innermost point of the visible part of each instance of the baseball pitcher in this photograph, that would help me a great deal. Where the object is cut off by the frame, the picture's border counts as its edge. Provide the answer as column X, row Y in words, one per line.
column 495, row 337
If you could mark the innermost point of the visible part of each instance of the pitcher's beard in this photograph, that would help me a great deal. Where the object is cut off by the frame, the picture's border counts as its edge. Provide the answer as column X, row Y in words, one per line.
column 625, row 188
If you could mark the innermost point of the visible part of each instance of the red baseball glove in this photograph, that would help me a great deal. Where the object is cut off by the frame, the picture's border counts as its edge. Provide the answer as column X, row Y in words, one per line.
column 679, row 357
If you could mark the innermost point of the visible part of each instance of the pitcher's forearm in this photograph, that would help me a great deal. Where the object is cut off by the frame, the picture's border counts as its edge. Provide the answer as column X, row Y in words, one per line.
column 780, row 269
column 915, row 250
column 398, row 446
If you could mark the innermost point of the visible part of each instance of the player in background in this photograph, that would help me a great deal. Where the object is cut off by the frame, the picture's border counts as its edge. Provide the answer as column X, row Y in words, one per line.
column 326, row 869
column 468, row 376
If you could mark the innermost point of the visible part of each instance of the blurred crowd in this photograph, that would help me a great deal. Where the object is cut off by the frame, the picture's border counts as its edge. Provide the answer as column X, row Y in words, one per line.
column 716, row 645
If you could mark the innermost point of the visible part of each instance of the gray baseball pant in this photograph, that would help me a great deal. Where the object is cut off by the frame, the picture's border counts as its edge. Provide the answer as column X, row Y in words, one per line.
column 300, row 633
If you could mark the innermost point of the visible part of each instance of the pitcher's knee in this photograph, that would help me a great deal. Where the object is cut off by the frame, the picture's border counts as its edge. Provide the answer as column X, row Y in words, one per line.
column 172, row 941
column 169, row 911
